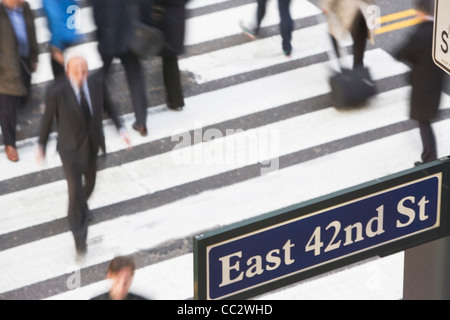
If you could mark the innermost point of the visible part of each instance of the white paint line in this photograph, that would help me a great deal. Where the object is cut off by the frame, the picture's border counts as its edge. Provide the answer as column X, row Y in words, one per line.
column 196, row 4
column 227, row 22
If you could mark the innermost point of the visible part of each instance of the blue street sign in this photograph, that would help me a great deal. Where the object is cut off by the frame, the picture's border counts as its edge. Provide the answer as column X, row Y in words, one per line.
column 267, row 252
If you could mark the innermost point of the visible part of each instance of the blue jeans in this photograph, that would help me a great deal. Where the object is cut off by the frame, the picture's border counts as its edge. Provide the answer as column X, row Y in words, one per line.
column 286, row 22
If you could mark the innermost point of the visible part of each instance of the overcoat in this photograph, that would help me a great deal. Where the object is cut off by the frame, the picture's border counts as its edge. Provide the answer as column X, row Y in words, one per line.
column 342, row 14
column 171, row 20
column 11, row 78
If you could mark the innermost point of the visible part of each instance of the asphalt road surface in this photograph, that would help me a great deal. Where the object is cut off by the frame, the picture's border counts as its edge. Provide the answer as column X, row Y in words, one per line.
column 152, row 200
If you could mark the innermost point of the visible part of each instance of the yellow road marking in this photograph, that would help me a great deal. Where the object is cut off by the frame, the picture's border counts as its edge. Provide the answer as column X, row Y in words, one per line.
column 397, row 16
column 399, row 25
column 414, row 19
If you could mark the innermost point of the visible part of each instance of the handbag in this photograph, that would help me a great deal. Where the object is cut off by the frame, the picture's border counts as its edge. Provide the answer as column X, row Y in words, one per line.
column 146, row 41
column 351, row 87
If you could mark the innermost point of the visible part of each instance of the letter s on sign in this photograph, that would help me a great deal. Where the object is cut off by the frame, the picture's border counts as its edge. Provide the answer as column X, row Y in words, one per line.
column 444, row 38
column 410, row 213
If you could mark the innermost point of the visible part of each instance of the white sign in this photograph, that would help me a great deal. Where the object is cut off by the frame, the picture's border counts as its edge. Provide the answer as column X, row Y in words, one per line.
column 441, row 45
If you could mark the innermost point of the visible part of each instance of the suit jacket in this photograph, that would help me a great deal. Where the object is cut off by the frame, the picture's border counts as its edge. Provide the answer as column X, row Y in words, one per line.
column 427, row 79
column 75, row 137
column 11, row 79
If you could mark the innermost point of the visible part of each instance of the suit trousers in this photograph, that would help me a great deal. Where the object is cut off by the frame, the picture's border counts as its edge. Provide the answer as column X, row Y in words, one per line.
column 286, row 22
column 57, row 69
column 136, row 83
column 8, row 118
column 76, row 172
column 172, row 81
column 429, row 153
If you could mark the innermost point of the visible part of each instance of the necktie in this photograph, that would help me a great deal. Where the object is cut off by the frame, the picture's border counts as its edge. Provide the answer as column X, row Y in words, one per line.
column 85, row 106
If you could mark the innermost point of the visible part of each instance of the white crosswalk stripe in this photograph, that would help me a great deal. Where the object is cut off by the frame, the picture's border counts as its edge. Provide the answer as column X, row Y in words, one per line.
column 209, row 183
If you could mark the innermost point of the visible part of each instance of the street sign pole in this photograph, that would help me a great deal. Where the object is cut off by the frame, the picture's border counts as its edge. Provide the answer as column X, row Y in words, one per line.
column 427, row 271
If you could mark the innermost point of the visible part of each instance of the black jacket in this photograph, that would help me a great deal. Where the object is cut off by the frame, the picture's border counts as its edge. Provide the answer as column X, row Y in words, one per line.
column 74, row 136
column 427, row 79
column 112, row 18
column 107, row 297
column 172, row 22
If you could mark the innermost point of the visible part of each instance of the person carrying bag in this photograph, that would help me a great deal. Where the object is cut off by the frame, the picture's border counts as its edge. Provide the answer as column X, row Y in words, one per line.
column 350, row 87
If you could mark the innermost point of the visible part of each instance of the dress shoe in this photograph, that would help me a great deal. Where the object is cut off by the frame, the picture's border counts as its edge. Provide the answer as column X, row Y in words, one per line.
column 171, row 106
column 81, row 247
column 174, row 108
column 11, row 153
column 141, row 129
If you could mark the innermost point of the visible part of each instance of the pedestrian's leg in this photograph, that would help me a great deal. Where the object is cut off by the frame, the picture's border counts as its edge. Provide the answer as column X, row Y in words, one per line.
column 429, row 142
column 359, row 34
column 25, row 68
column 8, row 118
column 78, row 208
column 136, row 85
column 260, row 13
column 172, row 82
column 286, row 25
column 107, row 61
column 90, row 175
column 57, row 68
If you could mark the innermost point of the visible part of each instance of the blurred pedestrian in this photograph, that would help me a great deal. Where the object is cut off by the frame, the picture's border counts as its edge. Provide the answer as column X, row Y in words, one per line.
column 426, row 78
column 121, row 273
column 349, row 16
column 18, row 59
column 286, row 23
column 63, row 34
column 169, row 16
column 113, row 20
column 77, row 103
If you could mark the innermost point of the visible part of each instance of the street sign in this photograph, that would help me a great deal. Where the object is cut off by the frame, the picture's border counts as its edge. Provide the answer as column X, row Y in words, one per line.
column 280, row 248
column 441, row 43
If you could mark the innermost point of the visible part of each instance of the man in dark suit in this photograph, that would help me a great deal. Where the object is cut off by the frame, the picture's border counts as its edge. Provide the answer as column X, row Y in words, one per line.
column 427, row 79
column 78, row 103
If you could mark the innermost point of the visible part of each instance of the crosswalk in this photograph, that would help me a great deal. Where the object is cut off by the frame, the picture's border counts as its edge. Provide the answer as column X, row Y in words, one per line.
column 258, row 134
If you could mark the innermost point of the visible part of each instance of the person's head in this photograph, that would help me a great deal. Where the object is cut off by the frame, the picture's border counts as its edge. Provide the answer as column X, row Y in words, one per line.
column 426, row 7
column 77, row 70
column 13, row 3
column 121, row 273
